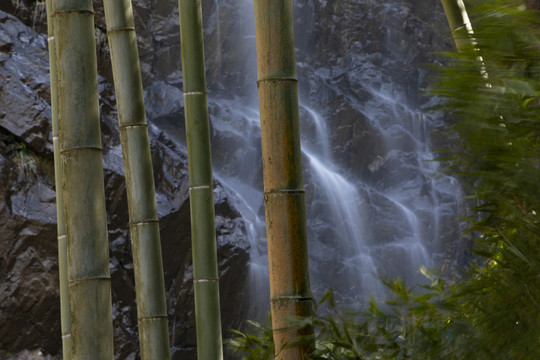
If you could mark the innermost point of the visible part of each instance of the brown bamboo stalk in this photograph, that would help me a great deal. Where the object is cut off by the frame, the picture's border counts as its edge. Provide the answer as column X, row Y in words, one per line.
column 282, row 170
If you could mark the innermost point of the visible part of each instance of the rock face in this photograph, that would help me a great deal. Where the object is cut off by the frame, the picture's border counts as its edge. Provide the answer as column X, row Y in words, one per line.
column 29, row 304
column 373, row 204
column 362, row 71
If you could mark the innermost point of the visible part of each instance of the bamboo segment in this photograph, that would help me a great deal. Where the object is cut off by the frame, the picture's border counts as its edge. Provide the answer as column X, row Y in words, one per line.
column 201, row 206
column 82, row 181
column 282, row 169
column 142, row 207
column 61, row 225
column 459, row 22
column 463, row 33
column 192, row 42
column 205, row 270
column 152, row 312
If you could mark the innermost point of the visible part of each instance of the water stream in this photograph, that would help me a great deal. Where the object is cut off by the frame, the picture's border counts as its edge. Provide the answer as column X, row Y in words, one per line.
column 375, row 201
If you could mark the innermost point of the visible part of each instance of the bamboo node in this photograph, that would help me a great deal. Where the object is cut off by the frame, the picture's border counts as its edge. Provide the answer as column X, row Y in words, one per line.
column 120, row 29
column 284, row 192
column 132, row 126
column 66, row 336
column 291, row 297
column 88, row 279
column 190, row 93
column 205, row 280
column 97, row 148
column 143, row 222
column 70, row 11
column 152, row 318
column 276, row 80
column 201, row 187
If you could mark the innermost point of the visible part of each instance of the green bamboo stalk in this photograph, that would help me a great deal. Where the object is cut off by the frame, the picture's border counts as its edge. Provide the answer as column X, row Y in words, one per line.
column 61, row 225
column 463, row 33
column 282, row 170
column 82, row 184
column 205, row 270
column 459, row 23
column 142, row 207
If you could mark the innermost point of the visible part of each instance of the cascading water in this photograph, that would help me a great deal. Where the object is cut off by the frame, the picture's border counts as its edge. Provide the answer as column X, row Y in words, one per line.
column 374, row 205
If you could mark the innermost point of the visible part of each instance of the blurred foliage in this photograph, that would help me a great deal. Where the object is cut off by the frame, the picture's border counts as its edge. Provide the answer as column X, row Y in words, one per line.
column 492, row 309
column 495, row 122
column 258, row 345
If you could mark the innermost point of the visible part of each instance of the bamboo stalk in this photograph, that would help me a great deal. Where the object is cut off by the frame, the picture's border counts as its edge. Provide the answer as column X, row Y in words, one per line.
column 82, row 184
column 282, row 169
column 459, row 23
column 142, row 207
column 61, row 225
column 205, row 270
column 462, row 32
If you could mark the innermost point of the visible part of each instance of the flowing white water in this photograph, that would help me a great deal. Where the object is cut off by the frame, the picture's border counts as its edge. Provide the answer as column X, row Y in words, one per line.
column 347, row 212
column 321, row 143
column 371, row 210
column 345, row 216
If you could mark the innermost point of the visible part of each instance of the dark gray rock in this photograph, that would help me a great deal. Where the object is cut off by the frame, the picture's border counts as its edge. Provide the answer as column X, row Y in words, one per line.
column 25, row 80
column 28, row 266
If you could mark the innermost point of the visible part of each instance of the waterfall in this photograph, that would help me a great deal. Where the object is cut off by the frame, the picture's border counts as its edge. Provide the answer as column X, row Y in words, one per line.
column 376, row 203
column 385, row 210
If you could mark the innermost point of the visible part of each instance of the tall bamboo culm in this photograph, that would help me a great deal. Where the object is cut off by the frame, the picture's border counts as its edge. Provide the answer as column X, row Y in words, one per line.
column 205, row 270
column 282, row 170
column 462, row 32
column 144, row 225
column 459, row 23
column 61, row 225
column 82, row 181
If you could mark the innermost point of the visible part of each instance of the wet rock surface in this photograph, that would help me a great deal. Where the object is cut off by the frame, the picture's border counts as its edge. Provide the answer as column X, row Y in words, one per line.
column 362, row 67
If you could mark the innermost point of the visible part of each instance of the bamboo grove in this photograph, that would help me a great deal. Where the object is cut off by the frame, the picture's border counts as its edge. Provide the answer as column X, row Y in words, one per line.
column 85, row 283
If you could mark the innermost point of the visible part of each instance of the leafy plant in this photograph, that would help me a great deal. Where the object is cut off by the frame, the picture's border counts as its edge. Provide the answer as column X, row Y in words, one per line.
column 23, row 157
column 256, row 346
